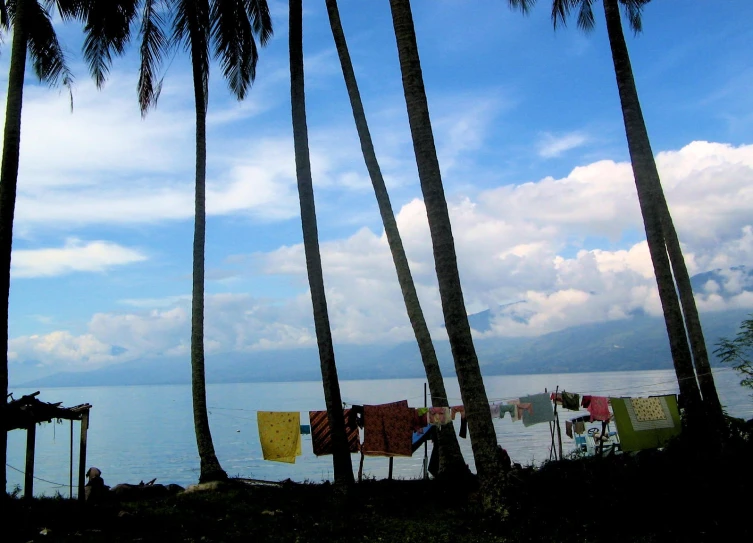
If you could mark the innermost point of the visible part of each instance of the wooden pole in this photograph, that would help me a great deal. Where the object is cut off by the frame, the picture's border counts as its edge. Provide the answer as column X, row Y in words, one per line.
column 390, row 474
column 82, row 455
column 552, row 446
column 557, row 421
column 360, row 467
column 70, row 467
column 31, row 439
column 426, row 445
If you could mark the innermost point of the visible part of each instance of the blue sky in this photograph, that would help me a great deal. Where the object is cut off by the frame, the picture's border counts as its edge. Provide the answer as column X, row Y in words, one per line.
column 534, row 161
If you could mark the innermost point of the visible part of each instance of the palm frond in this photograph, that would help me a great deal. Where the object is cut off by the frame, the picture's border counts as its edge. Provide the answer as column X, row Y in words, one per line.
column 586, row 19
column 191, row 28
column 108, row 30
column 4, row 18
column 561, row 11
column 261, row 20
column 633, row 11
column 47, row 57
column 69, row 9
column 154, row 45
column 234, row 44
column 523, row 5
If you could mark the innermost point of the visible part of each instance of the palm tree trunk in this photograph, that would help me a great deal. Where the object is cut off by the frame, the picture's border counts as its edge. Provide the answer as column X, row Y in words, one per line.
column 450, row 458
column 712, row 404
column 8, row 185
column 650, row 197
column 210, row 466
column 343, row 467
column 483, row 436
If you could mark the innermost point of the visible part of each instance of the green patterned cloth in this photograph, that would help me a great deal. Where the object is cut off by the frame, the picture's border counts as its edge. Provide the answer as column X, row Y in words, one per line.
column 636, row 433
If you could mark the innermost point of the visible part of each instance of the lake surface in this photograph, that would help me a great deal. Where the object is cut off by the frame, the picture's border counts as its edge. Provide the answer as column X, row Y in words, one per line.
column 142, row 432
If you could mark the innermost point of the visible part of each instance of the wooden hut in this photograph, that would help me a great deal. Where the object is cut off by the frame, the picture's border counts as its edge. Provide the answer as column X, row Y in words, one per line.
column 28, row 411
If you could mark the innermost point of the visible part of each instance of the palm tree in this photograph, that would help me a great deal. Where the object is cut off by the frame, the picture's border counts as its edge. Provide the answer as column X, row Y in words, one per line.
column 34, row 37
column 343, row 467
column 664, row 246
column 483, row 436
column 223, row 29
column 450, row 459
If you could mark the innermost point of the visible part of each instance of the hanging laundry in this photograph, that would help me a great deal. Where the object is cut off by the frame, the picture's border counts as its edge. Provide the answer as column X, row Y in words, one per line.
column 570, row 401
column 519, row 409
column 321, row 436
column 459, row 409
column 280, row 435
column 556, row 397
column 439, row 415
column 648, row 409
column 569, row 429
column 598, row 406
column 646, row 423
column 305, row 429
column 495, row 409
column 579, row 426
column 418, row 422
column 387, row 430
column 541, row 409
column 506, row 408
column 356, row 415
column 422, row 410
column 586, row 401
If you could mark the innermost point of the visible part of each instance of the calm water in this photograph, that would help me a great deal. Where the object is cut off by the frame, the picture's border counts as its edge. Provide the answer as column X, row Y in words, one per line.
column 139, row 433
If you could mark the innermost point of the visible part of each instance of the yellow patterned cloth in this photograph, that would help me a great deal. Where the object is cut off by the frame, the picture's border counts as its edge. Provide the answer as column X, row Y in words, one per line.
column 280, row 435
column 648, row 409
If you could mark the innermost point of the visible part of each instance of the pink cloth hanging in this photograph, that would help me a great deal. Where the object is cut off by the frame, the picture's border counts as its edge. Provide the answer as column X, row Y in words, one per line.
column 599, row 408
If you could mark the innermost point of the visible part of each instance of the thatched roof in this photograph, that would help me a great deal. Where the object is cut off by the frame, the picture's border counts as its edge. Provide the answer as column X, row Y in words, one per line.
column 28, row 410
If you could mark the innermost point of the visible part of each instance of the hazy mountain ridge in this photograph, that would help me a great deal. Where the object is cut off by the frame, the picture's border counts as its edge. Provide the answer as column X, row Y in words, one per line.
column 638, row 343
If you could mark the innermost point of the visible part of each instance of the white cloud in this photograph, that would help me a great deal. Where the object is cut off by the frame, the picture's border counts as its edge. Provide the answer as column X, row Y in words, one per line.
column 551, row 145
column 74, row 256
column 530, row 243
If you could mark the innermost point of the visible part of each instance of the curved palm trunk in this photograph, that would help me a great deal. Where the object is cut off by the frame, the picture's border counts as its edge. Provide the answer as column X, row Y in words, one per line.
column 651, row 198
column 450, row 458
column 483, row 436
column 343, row 467
column 210, row 466
column 8, row 185
column 709, row 393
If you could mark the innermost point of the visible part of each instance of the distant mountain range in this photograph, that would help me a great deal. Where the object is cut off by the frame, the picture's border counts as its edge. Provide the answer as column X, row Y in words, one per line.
column 636, row 343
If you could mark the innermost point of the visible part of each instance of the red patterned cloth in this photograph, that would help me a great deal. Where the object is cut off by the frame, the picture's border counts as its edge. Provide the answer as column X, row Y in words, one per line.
column 321, row 437
column 387, row 429
column 599, row 408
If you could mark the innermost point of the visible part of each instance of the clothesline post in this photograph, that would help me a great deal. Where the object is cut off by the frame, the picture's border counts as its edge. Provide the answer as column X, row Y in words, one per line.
column 601, row 440
column 557, row 421
column 426, row 445
column 389, row 477
column 552, row 447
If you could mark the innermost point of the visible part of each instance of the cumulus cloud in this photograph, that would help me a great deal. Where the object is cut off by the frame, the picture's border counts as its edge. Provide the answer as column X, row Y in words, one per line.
column 74, row 256
column 543, row 256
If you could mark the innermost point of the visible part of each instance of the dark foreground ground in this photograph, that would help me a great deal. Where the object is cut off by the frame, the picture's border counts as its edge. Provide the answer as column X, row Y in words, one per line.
column 685, row 493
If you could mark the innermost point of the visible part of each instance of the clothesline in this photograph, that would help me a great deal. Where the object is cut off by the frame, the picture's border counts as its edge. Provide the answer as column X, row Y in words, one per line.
column 602, row 392
column 35, row 477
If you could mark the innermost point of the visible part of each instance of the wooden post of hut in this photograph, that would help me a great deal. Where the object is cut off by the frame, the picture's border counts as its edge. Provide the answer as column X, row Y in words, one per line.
column 82, row 455
column 31, row 440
